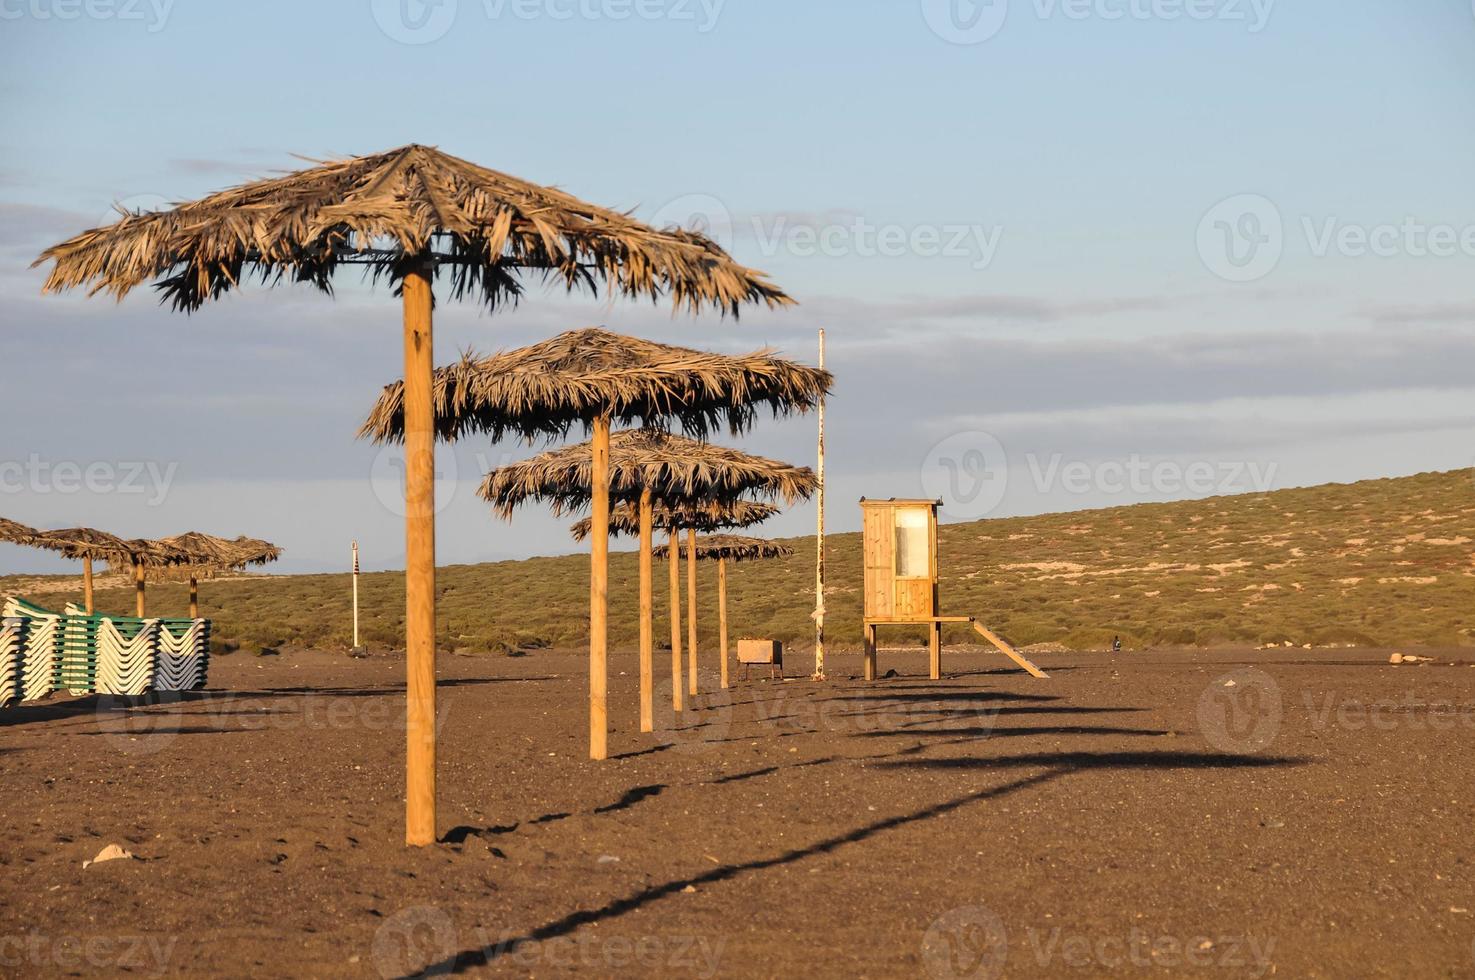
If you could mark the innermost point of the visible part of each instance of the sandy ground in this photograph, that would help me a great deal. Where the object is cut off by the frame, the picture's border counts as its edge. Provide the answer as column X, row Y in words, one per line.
column 1136, row 815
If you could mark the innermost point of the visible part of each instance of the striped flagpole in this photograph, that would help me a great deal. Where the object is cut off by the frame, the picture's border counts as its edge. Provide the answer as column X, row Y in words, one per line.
column 819, row 563
column 355, row 595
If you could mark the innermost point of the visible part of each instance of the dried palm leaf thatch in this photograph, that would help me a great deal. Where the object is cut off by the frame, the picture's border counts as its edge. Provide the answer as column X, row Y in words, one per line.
column 210, row 555
column 390, row 212
column 624, row 517
column 579, row 375
column 732, row 547
column 671, row 466
column 85, row 543
column 12, row 532
column 79, row 543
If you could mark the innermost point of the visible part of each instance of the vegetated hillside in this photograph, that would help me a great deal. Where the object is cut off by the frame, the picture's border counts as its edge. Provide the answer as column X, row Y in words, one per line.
column 1379, row 562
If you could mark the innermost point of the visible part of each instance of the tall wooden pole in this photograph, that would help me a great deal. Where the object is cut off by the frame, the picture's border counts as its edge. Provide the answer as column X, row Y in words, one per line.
column 194, row 598
column 691, row 612
column 599, row 595
column 87, row 584
column 673, row 554
column 722, row 614
column 419, row 564
column 138, row 586
column 647, row 617
column 819, row 560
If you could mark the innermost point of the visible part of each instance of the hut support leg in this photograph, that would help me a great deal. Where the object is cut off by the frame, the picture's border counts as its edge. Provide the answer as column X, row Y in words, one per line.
column 419, row 564
column 722, row 615
column 87, row 584
column 691, row 612
column 935, row 650
column 138, row 588
column 599, row 595
column 673, row 553
column 194, row 598
column 647, row 626
column 870, row 652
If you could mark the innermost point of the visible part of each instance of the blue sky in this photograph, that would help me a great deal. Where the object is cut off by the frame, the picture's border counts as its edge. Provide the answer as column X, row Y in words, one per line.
column 1035, row 252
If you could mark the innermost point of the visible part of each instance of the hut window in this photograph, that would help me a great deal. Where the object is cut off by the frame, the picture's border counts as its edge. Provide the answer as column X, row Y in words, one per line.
column 911, row 544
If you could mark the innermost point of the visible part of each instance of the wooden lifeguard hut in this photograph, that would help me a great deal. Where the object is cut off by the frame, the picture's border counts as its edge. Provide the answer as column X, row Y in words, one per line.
column 899, row 554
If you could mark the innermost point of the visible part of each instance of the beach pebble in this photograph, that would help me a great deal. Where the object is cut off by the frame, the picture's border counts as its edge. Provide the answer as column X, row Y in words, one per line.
column 1397, row 658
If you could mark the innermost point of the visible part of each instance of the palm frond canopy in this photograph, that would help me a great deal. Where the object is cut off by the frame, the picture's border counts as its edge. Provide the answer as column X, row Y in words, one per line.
column 13, row 532
column 704, row 518
column 80, row 543
column 671, row 466
column 732, row 547
column 577, row 376
column 393, row 212
column 210, row 554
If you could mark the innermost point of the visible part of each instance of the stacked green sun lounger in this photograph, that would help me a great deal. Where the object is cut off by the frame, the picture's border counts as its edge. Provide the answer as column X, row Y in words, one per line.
column 12, row 658
column 122, row 655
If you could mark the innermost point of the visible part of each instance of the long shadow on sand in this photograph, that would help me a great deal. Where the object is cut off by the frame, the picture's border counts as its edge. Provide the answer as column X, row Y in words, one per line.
column 215, row 703
column 1056, row 766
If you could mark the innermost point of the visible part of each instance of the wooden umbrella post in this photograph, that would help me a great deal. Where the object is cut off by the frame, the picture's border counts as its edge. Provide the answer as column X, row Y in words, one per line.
column 87, row 584
column 673, row 554
column 691, row 611
column 647, row 625
column 194, row 598
column 419, row 564
column 138, row 586
column 722, row 615
column 599, row 595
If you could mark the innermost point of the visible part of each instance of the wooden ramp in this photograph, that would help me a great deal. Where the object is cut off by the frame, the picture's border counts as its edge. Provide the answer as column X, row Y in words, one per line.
column 1007, row 650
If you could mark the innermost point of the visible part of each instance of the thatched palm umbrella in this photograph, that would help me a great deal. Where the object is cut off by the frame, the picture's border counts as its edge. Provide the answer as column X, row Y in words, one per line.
column 624, row 517
column 210, row 555
column 703, row 518
column 405, row 215
column 723, row 548
column 13, row 532
column 644, row 466
column 593, row 377
column 88, row 545
column 144, row 555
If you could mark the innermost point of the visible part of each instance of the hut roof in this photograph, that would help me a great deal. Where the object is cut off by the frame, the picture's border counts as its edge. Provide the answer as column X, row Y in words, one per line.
column 733, row 547
column 624, row 517
column 391, row 211
column 547, row 387
column 673, row 467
